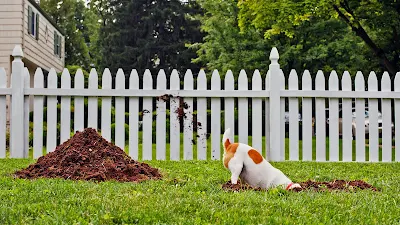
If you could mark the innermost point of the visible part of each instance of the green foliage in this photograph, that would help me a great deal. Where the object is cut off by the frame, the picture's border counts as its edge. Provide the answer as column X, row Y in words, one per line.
column 374, row 23
column 143, row 35
column 225, row 47
column 80, row 27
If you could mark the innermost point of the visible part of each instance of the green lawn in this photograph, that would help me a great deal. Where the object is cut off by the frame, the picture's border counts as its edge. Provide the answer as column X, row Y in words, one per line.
column 191, row 194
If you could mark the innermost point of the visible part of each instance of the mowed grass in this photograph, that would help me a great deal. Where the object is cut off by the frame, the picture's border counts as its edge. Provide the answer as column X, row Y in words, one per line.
column 190, row 193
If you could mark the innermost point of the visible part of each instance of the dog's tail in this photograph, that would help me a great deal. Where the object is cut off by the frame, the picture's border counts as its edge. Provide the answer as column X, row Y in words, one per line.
column 225, row 139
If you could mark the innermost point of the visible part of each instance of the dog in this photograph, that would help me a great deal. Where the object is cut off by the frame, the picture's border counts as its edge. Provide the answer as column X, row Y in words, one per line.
column 247, row 163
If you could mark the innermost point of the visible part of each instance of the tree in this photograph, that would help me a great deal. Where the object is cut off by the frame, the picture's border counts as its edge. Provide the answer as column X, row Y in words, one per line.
column 224, row 47
column 376, row 23
column 69, row 15
column 317, row 44
column 142, row 34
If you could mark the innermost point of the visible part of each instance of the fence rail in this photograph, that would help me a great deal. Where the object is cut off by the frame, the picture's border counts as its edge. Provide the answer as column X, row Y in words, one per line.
column 284, row 121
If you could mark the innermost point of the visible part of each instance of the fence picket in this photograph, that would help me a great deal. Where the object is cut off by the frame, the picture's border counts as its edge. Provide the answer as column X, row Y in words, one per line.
column 51, row 113
column 243, row 106
column 320, row 120
column 373, row 119
column 360, row 119
column 267, row 119
column 333, row 119
column 397, row 118
column 161, row 118
column 257, row 113
column 175, row 139
column 188, row 121
column 347, row 133
column 134, row 116
column 79, row 105
column 120, row 111
column 65, row 131
column 230, row 105
column 38, row 116
column 3, row 114
column 386, row 120
column 27, row 82
column 307, row 118
column 293, row 118
column 93, row 101
column 147, row 117
column 106, row 106
column 215, row 118
column 202, row 118
column 282, row 118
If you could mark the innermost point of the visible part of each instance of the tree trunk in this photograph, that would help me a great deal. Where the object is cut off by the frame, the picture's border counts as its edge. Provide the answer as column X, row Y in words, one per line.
column 360, row 32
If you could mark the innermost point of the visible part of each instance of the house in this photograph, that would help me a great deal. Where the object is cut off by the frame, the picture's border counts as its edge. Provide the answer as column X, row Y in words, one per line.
column 23, row 22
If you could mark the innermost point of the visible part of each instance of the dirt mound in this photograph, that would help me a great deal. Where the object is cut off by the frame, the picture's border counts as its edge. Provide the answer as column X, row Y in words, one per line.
column 340, row 185
column 88, row 156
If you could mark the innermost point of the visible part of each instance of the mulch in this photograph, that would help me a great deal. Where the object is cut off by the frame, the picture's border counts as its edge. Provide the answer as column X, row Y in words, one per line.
column 309, row 185
column 88, row 156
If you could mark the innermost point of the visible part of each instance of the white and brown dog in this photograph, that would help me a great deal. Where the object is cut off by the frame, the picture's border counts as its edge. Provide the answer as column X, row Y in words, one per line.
column 247, row 163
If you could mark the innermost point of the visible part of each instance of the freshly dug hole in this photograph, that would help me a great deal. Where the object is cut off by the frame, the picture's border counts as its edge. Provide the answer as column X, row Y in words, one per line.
column 334, row 185
column 88, row 156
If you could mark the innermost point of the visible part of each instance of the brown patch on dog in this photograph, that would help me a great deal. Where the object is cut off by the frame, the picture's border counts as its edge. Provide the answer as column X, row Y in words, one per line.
column 255, row 156
column 226, row 144
column 230, row 152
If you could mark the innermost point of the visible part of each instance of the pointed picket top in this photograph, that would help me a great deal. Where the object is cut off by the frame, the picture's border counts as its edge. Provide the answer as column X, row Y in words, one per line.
column 17, row 52
column 229, row 81
column 396, row 82
column 120, row 79
column 65, row 78
column 386, row 82
column 320, row 81
column 274, row 56
column 3, row 78
column 79, row 79
column 267, row 81
column 175, row 80
column 359, row 82
column 27, row 78
column 215, row 81
column 256, row 80
column 202, row 80
column 52, row 78
column 346, row 81
column 107, row 79
column 161, row 80
column 306, row 80
column 242, row 80
column 93, row 79
column 134, row 80
column 188, row 80
column 333, row 81
column 372, row 82
column 293, row 80
column 147, row 80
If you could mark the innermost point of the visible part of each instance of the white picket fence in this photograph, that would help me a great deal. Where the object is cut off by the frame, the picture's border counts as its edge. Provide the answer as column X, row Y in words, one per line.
column 268, row 106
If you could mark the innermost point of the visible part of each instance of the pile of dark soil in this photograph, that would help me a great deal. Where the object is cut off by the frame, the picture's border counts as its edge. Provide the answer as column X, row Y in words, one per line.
column 310, row 185
column 88, row 156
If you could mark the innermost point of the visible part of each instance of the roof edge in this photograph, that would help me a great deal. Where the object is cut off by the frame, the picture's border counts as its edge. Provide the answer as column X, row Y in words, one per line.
column 37, row 6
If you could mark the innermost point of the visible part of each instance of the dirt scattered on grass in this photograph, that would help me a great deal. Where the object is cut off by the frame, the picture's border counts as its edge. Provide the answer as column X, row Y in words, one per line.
column 88, row 156
column 335, row 185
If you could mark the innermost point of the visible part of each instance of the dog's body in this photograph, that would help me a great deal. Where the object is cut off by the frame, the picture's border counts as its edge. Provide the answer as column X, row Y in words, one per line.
column 247, row 163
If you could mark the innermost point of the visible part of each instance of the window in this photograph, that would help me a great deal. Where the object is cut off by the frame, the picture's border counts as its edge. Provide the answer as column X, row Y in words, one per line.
column 33, row 23
column 57, row 44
